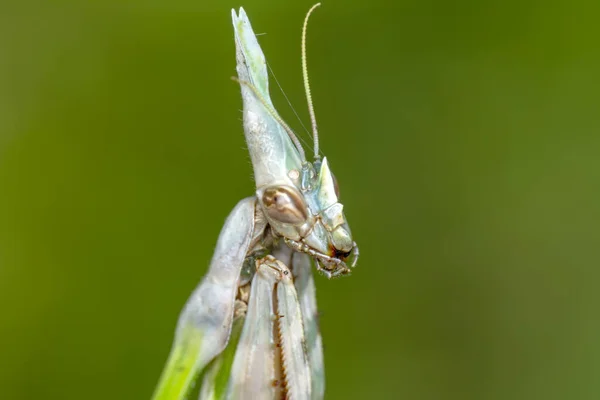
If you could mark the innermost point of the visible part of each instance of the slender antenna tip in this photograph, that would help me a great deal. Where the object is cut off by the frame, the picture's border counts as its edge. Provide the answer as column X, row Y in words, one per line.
column 311, row 109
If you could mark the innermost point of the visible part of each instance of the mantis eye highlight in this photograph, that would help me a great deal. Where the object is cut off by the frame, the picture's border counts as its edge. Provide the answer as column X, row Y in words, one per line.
column 284, row 204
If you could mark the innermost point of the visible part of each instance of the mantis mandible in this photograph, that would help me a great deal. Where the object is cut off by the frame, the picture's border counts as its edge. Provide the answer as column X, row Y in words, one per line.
column 253, row 317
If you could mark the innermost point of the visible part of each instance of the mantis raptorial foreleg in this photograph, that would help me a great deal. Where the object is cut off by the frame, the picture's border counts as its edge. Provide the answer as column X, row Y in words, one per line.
column 205, row 323
column 256, row 366
column 305, row 287
column 292, row 337
column 271, row 360
column 300, row 264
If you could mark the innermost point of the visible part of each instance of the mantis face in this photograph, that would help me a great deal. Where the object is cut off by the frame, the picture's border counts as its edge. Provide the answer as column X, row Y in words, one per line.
column 305, row 211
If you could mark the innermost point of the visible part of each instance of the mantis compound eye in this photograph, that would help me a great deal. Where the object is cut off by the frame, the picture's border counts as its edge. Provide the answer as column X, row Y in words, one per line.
column 284, row 204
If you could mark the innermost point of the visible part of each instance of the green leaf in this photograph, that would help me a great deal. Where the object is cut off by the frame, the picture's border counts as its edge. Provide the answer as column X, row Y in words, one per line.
column 214, row 384
column 181, row 370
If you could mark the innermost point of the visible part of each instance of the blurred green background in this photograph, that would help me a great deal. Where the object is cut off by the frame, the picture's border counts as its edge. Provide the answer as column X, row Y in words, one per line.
column 464, row 135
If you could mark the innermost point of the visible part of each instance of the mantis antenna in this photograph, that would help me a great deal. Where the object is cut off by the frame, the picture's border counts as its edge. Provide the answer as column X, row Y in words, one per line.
column 311, row 109
column 276, row 116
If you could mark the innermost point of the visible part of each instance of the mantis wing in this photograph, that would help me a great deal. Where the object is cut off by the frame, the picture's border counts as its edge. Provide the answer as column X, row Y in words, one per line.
column 205, row 323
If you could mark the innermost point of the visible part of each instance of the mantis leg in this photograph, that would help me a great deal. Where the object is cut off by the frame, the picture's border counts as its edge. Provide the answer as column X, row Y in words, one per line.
column 271, row 360
column 205, row 323
column 305, row 287
column 256, row 363
column 290, row 325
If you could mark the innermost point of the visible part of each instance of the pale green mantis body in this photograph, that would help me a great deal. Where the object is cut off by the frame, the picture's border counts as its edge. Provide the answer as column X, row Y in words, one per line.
column 254, row 315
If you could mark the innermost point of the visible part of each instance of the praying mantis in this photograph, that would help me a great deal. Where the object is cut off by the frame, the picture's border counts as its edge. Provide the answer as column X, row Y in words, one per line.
column 250, row 327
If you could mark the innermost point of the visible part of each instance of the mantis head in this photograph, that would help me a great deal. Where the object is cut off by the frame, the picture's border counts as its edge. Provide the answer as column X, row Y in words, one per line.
column 299, row 199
